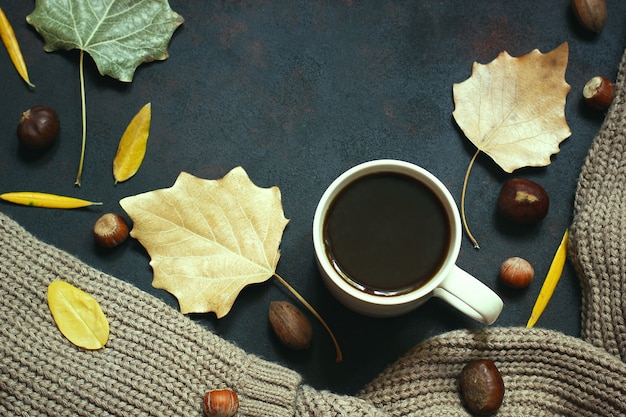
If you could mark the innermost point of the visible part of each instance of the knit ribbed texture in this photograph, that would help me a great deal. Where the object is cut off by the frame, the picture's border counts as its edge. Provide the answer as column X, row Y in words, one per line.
column 545, row 373
column 598, row 244
column 158, row 362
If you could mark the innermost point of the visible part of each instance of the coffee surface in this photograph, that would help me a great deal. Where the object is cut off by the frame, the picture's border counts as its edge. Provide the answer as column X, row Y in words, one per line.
column 387, row 233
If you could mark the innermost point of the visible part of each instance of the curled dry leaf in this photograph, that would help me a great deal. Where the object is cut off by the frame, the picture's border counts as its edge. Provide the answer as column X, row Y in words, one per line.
column 208, row 239
column 513, row 109
column 78, row 315
column 132, row 147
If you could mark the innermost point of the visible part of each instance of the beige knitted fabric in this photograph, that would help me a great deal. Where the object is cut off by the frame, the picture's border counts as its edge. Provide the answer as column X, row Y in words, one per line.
column 158, row 362
column 598, row 244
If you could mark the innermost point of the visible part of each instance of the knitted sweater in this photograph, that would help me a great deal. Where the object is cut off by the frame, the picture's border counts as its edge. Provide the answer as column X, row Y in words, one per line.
column 158, row 362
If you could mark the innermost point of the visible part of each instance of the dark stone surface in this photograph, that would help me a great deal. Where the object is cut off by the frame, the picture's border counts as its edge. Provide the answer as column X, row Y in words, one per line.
column 296, row 92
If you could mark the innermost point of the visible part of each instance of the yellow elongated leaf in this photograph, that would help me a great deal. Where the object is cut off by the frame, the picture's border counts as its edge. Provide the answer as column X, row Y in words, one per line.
column 13, row 48
column 132, row 147
column 208, row 239
column 78, row 315
column 552, row 279
column 45, row 200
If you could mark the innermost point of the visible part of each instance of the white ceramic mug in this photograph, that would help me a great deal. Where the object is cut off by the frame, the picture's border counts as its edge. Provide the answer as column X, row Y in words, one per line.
column 449, row 283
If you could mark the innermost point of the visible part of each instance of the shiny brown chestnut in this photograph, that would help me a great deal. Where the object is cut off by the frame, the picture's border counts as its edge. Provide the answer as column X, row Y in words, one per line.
column 599, row 92
column 38, row 128
column 523, row 201
column 482, row 387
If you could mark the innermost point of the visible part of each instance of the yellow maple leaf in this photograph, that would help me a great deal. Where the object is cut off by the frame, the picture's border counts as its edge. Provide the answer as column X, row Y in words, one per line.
column 513, row 109
column 208, row 239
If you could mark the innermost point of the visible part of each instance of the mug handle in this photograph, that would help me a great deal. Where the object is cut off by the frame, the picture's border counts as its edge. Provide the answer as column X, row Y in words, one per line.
column 470, row 296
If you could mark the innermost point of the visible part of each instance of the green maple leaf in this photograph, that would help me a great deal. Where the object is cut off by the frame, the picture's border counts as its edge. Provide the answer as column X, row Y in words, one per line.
column 119, row 35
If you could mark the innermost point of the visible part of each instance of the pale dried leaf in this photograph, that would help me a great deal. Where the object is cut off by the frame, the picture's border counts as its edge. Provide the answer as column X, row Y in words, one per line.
column 513, row 109
column 208, row 239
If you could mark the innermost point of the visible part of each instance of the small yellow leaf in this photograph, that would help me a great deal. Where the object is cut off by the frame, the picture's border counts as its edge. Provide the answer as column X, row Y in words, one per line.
column 78, row 315
column 208, row 239
column 513, row 109
column 13, row 48
column 552, row 279
column 45, row 200
column 132, row 147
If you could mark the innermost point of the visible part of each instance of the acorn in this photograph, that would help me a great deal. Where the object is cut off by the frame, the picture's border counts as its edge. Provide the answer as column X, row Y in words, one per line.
column 516, row 272
column 220, row 403
column 110, row 230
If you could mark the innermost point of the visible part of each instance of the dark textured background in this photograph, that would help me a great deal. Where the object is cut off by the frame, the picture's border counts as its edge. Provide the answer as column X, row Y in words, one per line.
column 296, row 92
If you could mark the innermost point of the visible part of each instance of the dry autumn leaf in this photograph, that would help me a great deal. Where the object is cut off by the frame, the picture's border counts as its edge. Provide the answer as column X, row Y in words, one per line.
column 132, row 146
column 513, row 109
column 208, row 239
column 78, row 315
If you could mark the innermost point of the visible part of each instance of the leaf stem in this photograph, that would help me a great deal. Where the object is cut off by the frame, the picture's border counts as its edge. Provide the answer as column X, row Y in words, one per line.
column 339, row 357
column 84, row 119
column 469, row 233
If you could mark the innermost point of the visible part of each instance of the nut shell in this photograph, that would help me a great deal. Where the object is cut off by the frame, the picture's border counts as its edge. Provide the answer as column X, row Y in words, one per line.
column 291, row 327
column 591, row 14
column 482, row 387
column 220, row 403
column 599, row 92
column 516, row 272
column 523, row 201
column 38, row 128
column 110, row 230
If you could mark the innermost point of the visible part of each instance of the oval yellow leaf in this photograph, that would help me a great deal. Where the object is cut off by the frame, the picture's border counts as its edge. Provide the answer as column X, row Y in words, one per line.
column 132, row 146
column 78, row 315
column 45, row 200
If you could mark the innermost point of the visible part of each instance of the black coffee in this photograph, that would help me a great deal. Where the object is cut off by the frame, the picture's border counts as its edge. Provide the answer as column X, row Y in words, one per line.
column 387, row 233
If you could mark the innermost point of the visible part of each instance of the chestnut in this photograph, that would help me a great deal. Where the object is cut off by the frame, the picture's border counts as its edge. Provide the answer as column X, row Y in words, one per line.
column 482, row 387
column 38, row 128
column 599, row 92
column 523, row 201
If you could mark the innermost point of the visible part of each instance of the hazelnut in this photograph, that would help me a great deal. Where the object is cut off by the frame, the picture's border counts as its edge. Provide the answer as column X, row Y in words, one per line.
column 110, row 230
column 591, row 14
column 599, row 92
column 220, row 403
column 523, row 201
column 482, row 387
column 38, row 128
column 291, row 327
column 516, row 272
